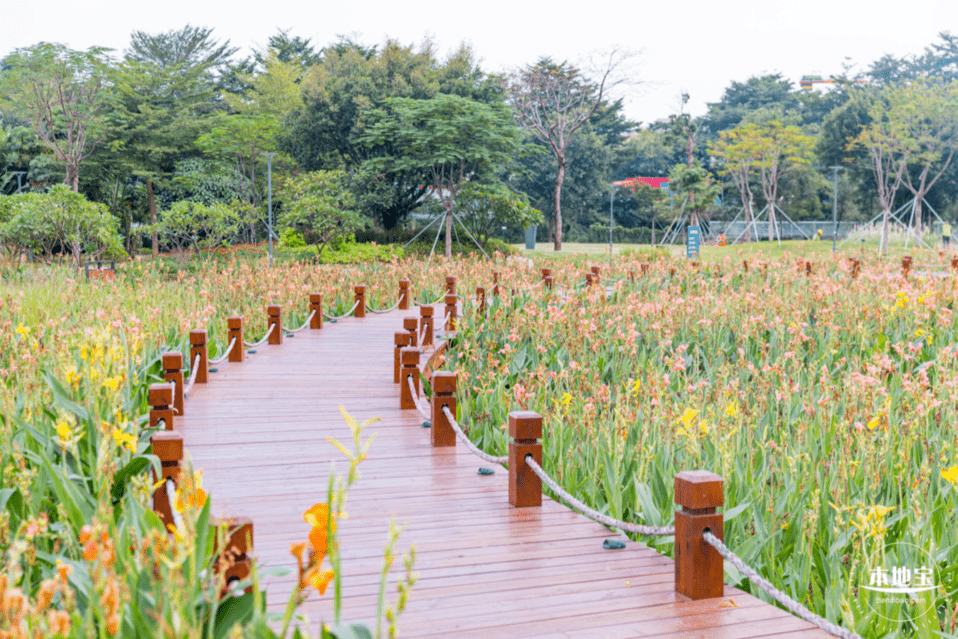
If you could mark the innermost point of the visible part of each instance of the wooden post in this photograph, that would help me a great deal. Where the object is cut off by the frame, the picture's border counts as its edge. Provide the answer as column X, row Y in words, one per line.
column 671, row 273
column 550, row 281
column 426, row 319
column 451, row 301
column 808, row 268
column 480, row 300
column 495, row 282
column 443, row 394
column 411, row 325
column 168, row 446
column 316, row 304
column 595, row 273
column 235, row 555
column 588, row 279
column 274, row 316
column 160, row 399
column 546, row 272
column 450, row 285
column 698, row 566
column 198, row 347
column 856, row 267
column 632, row 275
column 409, row 357
column 906, row 265
column 401, row 339
column 360, row 291
column 745, row 265
column 173, row 372
column 403, row 295
column 234, row 326
column 525, row 487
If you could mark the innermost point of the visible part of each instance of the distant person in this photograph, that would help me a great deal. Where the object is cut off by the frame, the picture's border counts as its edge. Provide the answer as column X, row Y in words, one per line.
column 946, row 234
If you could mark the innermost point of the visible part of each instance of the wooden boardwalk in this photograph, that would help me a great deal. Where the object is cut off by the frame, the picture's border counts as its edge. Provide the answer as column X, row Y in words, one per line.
column 258, row 430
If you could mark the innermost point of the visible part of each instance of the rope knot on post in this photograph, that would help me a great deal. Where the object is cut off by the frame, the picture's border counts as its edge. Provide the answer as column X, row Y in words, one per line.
column 198, row 346
column 173, row 372
column 403, row 294
column 425, row 325
column 409, row 358
column 316, row 310
column 360, row 292
column 443, row 395
column 160, row 398
column 698, row 566
column 274, row 324
column 525, row 430
column 401, row 339
column 167, row 445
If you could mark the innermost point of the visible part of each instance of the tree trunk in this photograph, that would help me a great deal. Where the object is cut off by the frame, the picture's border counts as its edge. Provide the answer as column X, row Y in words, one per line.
column 73, row 178
column 152, row 199
column 771, row 223
column 748, row 221
column 884, row 232
column 558, row 217
column 448, row 234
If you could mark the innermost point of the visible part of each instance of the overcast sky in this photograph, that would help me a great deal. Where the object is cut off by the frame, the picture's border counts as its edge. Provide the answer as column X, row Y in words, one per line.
column 696, row 46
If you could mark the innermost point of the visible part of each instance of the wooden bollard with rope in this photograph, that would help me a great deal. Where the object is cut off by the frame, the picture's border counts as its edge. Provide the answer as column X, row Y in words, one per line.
column 745, row 265
column 274, row 321
column 808, row 268
column 316, row 310
column 234, row 562
column 906, row 265
column 954, row 263
column 546, row 272
column 480, row 300
column 409, row 358
column 550, row 282
column 451, row 301
column 401, row 340
column 698, row 566
column 450, row 285
column 160, row 399
column 856, row 267
column 443, row 394
column 589, row 280
column 234, row 331
column 525, row 431
column 167, row 445
column 198, row 346
column 426, row 324
column 173, row 372
column 411, row 324
column 404, row 295
column 495, row 282
column 360, row 292
column 595, row 273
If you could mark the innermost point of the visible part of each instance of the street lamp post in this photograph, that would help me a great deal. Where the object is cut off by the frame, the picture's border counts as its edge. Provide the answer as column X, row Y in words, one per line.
column 835, row 208
column 269, row 191
column 503, row 235
column 611, row 187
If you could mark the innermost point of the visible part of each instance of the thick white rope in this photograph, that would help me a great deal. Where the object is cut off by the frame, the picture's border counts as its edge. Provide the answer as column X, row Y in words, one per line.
column 171, row 498
column 428, row 304
column 594, row 514
column 305, row 325
column 465, row 440
column 222, row 358
column 262, row 341
column 415, row 398
column 193, row 372
column 393, row 308
column 348, row 313
column 790, row 604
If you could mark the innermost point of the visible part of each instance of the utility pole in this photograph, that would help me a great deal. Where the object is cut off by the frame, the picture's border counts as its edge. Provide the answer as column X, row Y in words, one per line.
column 269, row 190
column 836, row 169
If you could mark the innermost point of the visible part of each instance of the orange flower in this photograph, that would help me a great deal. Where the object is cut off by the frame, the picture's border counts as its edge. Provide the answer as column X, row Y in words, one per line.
column 318, row 515
column 191, row 493
column 297, row 551
column 318, row 580
column 319, row 541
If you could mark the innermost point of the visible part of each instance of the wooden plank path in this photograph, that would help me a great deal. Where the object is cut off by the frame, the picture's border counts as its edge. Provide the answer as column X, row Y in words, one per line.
column 258, row 430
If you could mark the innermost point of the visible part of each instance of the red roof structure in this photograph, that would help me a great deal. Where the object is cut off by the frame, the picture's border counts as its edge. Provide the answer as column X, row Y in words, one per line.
column 633, row 182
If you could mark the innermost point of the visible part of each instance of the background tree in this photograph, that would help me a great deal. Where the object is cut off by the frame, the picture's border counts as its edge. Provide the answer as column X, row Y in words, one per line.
column 191, row 224
column 553, row 101
column 62, row 93
column 452, row 138
column 735, row 154
column 488, row 207
column 320, row 206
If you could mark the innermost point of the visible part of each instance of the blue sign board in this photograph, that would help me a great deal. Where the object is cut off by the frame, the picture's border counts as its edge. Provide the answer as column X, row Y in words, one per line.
column 692, row 242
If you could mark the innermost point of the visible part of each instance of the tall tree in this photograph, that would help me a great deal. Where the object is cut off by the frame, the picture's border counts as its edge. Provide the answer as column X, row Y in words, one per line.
column 553, row 101
column 736, row 157
column 453, row 139
column 62, row 93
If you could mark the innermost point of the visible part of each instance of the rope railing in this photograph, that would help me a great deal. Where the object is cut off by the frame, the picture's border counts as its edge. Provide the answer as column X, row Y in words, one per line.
column 305, row 324
column 478, row 452
column 193, row 371
column 171, row 498
column 393, row 308
column 790, row 604
column 222, row 358
column 347, row 314
column 594, row 514
column 441, row 298
column 415, row 398
column 262, row 341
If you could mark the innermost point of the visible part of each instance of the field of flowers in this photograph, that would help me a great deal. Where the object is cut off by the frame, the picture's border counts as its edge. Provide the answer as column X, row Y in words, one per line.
column 828, row 405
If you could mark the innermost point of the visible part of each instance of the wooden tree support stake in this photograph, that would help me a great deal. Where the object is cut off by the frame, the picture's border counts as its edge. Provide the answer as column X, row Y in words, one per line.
column 409, row 358
column 274, row 316
column 160, row 399
column 360, row 291
column 525, row 487
column 404, row 295
column 401, row 339
column 198, row 347
column 168, row 447
column 173, row 372
column 316, row 305
column 443, row 394
column 698, row 566
column 426, row 320
column 234, row 326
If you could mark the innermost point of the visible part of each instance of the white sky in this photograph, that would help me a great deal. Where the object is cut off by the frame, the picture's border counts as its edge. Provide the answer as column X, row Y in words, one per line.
column 696, row 46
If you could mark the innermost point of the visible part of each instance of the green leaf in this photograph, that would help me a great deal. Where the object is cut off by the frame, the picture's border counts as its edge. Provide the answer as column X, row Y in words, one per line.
column 348, row 631
column 122, row 478
column 233, row 611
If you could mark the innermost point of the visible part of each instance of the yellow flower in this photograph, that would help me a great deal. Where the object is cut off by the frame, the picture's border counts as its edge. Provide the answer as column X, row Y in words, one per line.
column 63, row 431
column 873, row 424
column 113, row 382
column 636, row 386
column 703, row 427
column 23, row 330
column 731, row 409
column 317, row 579
column 919, row 333
column 124, row 439
column 688, row 418
column 566, row 399
column 83, row 352
column 951, row 475
column 190, row 492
